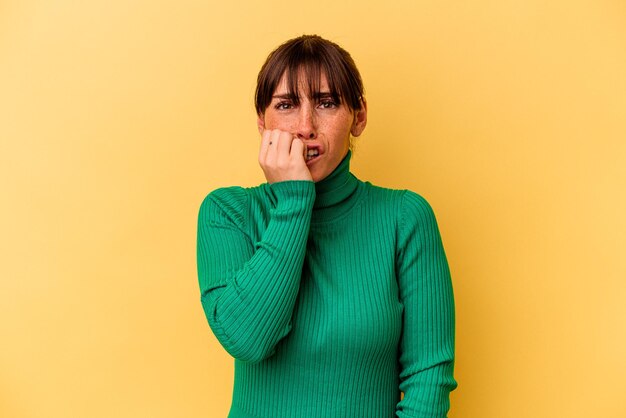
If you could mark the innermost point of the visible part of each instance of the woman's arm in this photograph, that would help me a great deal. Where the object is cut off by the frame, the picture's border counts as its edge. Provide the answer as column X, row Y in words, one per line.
column 248, row 289
column 427, row 342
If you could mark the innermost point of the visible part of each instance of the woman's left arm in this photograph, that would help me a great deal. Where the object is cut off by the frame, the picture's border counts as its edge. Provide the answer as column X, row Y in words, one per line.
column 427, row 342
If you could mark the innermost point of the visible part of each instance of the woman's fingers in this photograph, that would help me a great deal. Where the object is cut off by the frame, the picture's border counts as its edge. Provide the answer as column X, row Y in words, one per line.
column 268, row 154
column 275, row 148
column 265, row 144
column 282, row 157
column 298, row 149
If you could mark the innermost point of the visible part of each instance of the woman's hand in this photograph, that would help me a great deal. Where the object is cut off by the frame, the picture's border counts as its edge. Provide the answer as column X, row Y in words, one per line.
column 282, row 157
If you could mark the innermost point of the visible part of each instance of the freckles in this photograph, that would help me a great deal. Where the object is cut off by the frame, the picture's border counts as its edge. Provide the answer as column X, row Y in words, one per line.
column 281, row 122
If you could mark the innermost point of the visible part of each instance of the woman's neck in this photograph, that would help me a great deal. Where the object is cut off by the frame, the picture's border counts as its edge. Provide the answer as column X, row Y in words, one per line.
column 334, row 192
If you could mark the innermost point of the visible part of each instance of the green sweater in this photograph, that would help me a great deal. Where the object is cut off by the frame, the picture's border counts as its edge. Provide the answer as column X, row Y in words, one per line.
column 333, row 298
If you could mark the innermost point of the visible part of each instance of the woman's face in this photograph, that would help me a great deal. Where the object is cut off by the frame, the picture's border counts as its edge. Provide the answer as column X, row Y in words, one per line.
column 321, row 123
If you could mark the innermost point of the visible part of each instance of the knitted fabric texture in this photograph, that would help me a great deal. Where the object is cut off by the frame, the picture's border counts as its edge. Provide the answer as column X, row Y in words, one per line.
column 332, row 297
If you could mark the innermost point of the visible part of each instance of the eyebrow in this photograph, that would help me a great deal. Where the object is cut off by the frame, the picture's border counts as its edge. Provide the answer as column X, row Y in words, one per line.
column 283, row 96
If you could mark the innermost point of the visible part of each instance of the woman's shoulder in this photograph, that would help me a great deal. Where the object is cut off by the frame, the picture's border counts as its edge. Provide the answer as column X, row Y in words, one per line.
column 235, row 195
column 225, row 197
column 233, row 201
column 412, row 212
column 399, row 197
column 409, row 208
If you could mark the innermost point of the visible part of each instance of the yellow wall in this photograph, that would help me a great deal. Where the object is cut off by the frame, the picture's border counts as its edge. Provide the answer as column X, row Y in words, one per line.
column 118, row 117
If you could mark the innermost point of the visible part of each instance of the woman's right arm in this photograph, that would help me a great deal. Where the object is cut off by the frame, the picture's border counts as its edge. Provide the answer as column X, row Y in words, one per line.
column 248, row 289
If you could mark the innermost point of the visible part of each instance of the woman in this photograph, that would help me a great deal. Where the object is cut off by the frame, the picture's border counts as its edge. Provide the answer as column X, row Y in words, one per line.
column 333, row 295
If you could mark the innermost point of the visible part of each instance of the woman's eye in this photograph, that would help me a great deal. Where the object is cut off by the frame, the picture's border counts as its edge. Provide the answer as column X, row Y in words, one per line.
column 328, row 104
column 283, row 106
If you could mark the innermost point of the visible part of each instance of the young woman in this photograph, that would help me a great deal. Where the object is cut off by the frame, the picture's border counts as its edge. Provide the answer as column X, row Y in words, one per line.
column 333, row 295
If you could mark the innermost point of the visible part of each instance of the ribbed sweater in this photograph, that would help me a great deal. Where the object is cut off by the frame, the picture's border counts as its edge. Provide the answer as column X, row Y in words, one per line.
column 332, row 297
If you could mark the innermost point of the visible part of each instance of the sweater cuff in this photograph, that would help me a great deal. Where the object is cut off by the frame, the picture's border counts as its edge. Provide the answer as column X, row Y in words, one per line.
column 293, row 192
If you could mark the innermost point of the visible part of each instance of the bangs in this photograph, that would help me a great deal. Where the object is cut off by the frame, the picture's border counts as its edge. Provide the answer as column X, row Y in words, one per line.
column 311, row 57
column 312, row 73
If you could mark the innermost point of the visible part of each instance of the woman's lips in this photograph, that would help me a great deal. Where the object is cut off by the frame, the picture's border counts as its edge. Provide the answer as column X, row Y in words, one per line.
column 311, row 160
column 312, row 153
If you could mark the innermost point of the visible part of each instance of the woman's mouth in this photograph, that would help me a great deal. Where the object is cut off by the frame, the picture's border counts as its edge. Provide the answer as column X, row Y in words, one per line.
column 311, row 154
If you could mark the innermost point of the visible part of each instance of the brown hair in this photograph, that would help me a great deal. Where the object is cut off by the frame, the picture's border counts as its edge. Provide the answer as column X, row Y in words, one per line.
column 314, row 56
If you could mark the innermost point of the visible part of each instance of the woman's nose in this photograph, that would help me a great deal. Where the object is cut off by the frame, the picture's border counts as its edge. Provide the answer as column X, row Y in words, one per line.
column 307, row 126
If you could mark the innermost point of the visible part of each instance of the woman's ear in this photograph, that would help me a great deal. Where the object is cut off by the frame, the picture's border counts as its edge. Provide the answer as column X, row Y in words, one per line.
column 360, row 119
column 260, row 123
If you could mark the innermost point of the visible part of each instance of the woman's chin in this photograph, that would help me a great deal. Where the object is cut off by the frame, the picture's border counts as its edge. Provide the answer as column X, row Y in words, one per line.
column 318, row 176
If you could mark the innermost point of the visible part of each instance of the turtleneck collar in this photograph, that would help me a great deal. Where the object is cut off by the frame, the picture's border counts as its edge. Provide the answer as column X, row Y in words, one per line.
column 333, row 193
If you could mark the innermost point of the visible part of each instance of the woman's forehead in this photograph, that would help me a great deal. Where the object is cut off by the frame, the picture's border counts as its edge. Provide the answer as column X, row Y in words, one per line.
column 306, row 83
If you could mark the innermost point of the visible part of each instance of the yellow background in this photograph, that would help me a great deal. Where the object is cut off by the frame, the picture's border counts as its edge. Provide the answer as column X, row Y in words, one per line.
column 118, row 117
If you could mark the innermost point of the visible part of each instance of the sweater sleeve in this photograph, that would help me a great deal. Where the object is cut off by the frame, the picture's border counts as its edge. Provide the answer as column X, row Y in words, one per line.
column 426, row 350
column 248, row 289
